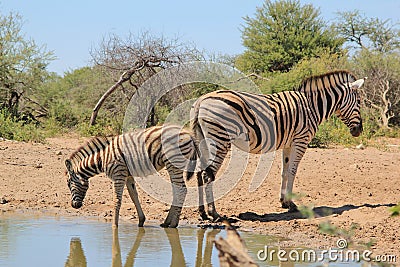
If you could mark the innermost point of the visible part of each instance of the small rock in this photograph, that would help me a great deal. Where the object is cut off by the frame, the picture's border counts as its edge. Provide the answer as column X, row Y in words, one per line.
column 360, row 146
column 107, row 214
column 355, row 166
column 59, row 153
column 38, row 166
column 3, row 200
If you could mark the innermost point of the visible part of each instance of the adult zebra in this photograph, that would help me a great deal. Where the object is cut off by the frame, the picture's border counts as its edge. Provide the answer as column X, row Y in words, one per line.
column 261, row 123
column 146, row 151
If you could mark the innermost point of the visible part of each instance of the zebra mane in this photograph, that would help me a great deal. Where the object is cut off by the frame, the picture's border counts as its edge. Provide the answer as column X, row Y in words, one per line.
column 314, row 80
column 91, row 147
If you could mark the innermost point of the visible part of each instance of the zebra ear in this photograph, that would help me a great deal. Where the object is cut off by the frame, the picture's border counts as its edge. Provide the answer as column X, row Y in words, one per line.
column 357, row 84
column 68, row 164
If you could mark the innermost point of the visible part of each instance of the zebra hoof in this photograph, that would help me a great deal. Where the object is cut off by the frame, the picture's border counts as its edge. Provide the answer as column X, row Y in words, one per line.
column 293, row 208
column 290, row 206
column 216, row 217
column 204, row 217
column 164, row 225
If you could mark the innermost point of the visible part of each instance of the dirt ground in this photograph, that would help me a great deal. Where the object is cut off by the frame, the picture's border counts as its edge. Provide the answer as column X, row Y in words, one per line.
column 344, row 186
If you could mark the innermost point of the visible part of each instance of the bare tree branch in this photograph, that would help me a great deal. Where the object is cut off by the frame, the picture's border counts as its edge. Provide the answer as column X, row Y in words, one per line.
column 138, row 58
column 233, row 251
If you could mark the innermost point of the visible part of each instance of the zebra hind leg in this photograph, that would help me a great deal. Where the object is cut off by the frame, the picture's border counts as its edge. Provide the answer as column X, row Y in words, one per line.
column 200, row 184
column 208, row 178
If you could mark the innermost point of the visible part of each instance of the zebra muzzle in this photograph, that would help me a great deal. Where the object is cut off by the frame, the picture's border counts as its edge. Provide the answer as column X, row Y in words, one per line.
column 76, row 204
column 356, row 130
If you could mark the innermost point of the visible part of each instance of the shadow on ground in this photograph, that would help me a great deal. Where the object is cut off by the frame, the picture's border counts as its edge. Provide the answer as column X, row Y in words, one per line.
column 319, row 212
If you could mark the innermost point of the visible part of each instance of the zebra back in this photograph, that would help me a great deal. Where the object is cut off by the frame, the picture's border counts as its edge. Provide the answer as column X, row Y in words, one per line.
column 148, row 150
column 86, row 160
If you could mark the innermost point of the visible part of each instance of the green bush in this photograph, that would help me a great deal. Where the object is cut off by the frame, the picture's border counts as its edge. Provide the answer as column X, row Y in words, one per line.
column 335, row 132
column 106, row 125
column 63, row 114
column 10, row 128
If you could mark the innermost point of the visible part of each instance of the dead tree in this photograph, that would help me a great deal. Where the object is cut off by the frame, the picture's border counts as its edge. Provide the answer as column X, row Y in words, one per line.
column 233, row 251
column 382, row 93
column 132, row 61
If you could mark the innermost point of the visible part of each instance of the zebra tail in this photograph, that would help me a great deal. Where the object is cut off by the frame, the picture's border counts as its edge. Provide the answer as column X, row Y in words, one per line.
column 198, row 137
column 192, row 165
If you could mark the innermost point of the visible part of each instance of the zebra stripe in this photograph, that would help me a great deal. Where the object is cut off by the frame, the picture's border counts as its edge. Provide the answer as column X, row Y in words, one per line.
column 262, row 123
column 135, row 154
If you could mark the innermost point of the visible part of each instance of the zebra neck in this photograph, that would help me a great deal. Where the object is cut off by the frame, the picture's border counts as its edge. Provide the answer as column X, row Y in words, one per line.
column 92, row 164
column 323, row 104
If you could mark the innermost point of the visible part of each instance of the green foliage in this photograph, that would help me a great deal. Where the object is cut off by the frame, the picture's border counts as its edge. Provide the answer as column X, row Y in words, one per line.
column 18, row 130
column 335, row 132
column 283, row 81
column 99, row 129
column 281, row 34
column 69, row 101
column 22, row 64
column 307, row 212
column 61, row 113
column 395, row 211
column 328, row 228
column 372, row 34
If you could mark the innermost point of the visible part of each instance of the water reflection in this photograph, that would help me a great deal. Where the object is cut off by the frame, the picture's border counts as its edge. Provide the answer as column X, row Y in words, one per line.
column 26, row 240
column 77, row 257
column 205, row 260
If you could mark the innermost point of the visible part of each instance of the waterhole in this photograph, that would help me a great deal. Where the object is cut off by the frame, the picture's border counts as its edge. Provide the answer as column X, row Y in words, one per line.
column 38, row 240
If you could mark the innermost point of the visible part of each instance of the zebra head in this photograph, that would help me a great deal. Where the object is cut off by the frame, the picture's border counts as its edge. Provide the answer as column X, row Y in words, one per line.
column 77, row 184
column 349, row 109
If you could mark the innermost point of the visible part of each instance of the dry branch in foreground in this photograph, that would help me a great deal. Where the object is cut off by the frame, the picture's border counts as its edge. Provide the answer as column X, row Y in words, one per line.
column 233, row 251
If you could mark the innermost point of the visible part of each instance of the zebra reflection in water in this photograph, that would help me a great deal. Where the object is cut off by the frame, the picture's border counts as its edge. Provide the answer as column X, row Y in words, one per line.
column 77, row 258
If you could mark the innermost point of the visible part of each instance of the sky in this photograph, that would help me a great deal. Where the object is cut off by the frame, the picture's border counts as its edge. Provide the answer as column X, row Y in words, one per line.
column 72, row 28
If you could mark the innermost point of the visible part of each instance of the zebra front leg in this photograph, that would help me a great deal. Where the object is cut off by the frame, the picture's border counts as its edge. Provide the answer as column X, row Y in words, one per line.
column 179, row 195
column 116, row 249
column 118, row 190
column 291, row 158
column 285, row 202
column 179, row 191
column 130, row 184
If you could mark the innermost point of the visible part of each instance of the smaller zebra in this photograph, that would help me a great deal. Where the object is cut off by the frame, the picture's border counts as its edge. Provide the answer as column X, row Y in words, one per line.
column 134, row 154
